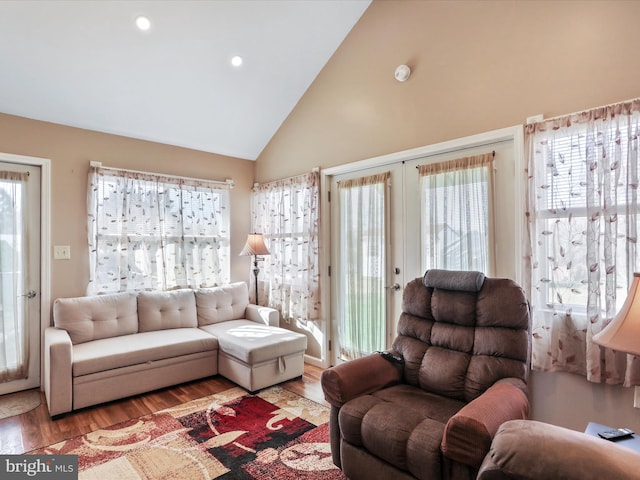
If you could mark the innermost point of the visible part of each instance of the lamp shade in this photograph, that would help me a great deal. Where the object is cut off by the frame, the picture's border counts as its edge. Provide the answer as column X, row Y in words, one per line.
column 623, row 333
column 255, row 245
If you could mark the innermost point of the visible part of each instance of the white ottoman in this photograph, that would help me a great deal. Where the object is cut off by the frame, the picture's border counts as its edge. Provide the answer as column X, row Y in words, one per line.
column 256, row 356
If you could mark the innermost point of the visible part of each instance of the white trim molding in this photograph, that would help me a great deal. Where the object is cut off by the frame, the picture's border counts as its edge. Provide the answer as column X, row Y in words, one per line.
column 45, row 238
column 504, row 134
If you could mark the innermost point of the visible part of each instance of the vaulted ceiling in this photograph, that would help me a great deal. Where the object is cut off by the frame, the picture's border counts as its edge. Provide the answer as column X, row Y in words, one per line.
column 86, row 64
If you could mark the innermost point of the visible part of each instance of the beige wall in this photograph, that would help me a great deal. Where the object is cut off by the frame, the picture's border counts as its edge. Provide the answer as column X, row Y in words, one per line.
column 71, row 149
column 477, row 67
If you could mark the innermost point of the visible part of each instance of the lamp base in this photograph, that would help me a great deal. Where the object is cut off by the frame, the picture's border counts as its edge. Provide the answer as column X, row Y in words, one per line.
column 256, row 271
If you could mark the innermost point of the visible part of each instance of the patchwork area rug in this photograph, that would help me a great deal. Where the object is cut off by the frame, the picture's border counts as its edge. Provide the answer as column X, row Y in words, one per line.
column 274, row 434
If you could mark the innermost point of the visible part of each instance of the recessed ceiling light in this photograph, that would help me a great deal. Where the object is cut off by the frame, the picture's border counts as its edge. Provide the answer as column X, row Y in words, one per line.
column 236, row 61
column 143, row 23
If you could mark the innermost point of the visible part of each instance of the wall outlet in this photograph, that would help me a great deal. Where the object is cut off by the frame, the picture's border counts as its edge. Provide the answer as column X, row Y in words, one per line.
column 636, row 397
column 61, row 252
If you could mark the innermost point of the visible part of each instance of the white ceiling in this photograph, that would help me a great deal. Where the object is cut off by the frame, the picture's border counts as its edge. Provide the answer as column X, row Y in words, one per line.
column 85, row 64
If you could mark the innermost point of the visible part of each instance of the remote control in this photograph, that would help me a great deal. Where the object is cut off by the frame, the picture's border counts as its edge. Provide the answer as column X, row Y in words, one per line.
column 616, row 434
column 391, row 357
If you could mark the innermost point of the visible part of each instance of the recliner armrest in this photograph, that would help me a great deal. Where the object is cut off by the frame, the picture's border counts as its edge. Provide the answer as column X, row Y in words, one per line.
column 358, row 377
column 527, row 449
column 468, row 434
column 266, row 315
column 58, row 370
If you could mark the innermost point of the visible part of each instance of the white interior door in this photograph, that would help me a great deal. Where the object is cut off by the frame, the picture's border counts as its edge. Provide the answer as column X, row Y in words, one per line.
column 20, row 286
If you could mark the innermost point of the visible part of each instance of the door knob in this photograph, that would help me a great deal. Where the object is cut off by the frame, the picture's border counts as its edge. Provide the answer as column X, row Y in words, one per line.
column 395, row 286
column 30, row 294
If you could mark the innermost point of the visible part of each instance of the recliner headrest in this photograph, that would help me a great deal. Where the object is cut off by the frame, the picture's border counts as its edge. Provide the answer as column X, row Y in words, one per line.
column 464, row 281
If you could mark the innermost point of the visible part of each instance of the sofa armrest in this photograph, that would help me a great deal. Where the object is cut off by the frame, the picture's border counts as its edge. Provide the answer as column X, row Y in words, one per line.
column 468, row 434
column 266, row 315
column 358, row 377
column 58, row 374
column 527, row 449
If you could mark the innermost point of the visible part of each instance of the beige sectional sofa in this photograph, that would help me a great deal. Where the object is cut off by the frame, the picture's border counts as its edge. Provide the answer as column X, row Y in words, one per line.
column 106, row 347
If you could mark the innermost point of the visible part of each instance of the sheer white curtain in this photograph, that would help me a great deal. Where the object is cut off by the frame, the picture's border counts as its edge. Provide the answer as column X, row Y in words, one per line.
column 14, row 341
column 363, row 229
column 582, row 213
column 286, row 212
column 457, row 220
column 155, row 232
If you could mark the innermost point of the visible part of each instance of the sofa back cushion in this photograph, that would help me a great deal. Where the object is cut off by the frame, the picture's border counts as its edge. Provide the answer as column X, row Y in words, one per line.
column 164, row 310
column 219, row 304
column 95, row 317
column 458, row 343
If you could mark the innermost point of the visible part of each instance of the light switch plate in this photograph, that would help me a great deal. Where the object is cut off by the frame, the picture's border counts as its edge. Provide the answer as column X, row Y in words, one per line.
column 61, row 252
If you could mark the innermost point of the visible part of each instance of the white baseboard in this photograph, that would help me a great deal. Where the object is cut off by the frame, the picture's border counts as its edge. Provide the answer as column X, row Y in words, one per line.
column 315, row 361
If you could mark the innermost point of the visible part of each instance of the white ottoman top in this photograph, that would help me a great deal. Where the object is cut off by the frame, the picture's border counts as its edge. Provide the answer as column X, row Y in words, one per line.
column 253, row 342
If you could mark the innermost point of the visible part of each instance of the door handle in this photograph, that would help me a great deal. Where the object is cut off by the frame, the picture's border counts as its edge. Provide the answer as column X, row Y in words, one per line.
column 395, row 286
column 30, row 294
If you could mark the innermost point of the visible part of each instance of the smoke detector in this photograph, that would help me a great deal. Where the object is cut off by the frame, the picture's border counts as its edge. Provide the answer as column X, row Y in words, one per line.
column 402, row 73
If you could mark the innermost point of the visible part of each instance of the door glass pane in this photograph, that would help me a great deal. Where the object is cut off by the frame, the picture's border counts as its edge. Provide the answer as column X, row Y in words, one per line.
column 13, row 333
column 362, row 266
column 455, row 219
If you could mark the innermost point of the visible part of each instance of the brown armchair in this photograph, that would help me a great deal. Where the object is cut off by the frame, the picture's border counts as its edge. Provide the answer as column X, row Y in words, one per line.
column 530, row 450
column 464, row 342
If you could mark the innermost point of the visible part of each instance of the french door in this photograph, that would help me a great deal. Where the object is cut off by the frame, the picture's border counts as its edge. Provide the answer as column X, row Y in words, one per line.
column 20, row 191
column 366, row 296
column 366, row 249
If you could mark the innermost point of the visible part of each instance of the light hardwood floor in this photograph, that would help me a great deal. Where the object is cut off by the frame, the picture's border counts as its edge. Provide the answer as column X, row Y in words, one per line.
column 35, row 429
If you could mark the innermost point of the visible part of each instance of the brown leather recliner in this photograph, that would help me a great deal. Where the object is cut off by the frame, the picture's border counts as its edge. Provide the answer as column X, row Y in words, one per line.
column 530, row 450
column 464, row 344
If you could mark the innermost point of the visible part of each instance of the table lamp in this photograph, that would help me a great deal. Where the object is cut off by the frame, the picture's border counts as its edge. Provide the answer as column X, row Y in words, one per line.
column 623, row 332
column 255, row 246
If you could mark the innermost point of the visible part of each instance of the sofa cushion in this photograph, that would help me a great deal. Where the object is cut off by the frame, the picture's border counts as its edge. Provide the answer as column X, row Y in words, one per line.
column 109, row 353
column 96, row 317
column 163, row 310
column 253, row 342
column 219, row 304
